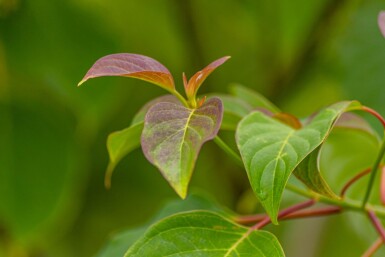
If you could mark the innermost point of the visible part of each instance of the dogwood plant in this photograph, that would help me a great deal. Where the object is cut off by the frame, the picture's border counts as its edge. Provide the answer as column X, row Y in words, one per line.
column 272, row 147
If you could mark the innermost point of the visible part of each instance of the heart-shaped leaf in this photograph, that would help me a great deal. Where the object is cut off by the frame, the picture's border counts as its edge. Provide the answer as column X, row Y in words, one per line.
column 121, row 242
column 141, row 114
column 173, row 135
column 132, row 65
column 272, row 150
column 196, row 81
column 381, row 22
column 308, row 171
column 203, row 233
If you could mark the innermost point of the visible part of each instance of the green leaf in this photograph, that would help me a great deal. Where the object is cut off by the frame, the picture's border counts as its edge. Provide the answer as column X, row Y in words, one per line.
column 203, row 233
column 272, row 150
column 253, row 98
column 120, row 243
column 234, row 109
column 308, row 171
column 173, row 135
column 120, row 144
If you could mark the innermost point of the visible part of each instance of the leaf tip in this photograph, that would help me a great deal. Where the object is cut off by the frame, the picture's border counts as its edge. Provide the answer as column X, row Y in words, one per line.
column 81, row 82
column 381, row 22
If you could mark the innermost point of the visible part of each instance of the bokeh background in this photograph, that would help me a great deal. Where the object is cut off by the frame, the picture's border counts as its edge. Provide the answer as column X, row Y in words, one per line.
column 300, row 54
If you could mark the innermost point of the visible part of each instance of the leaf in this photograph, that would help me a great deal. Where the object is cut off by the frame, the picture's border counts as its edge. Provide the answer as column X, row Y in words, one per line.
column 234, row 109
column 120, row 144
column 203, row 233
column 196, row 81
column 308, row 171
column 120, row 243
column 139, row 116
column 272, row 150
column 381, row 22
column 173, row 135
column 253, row 98
column 134, row 66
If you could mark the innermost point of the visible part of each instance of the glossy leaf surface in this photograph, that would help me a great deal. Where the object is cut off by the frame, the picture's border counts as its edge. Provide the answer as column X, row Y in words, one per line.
column 196, row 81
column 202, row 233
column 173, row 135
column 132, row 65
column 272, row 150
column 120, row 243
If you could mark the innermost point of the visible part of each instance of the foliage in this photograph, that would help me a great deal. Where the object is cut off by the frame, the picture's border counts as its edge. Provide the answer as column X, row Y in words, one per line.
column 272, row 144
column 302, row 55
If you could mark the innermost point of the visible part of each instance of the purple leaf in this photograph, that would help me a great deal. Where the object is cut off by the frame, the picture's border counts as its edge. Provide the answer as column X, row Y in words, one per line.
column 381, row 22
column 134, row 66
column 173, row 135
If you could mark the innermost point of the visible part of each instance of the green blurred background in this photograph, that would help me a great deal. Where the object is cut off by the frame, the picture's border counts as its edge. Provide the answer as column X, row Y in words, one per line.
column 301, row 54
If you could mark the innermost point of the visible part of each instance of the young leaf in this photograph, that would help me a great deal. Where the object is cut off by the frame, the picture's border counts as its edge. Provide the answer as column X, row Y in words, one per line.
column 196, row 81
column 173, row 135
column 253, row 98
column 120, row 144
column 203, row 233
column 381, row 22
column 134, row 66
column 272, row 150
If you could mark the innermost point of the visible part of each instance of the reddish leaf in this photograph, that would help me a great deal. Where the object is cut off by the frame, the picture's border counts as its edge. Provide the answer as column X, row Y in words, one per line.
column 173, row 135
column 132, row 65
column 196, row 81
column 381, row 22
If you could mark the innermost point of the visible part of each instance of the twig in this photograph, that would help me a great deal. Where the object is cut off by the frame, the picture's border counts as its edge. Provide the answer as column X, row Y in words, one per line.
column 377, row 224
column 295, row 215
column 354, row 179
column 373, row 248
column 284, row 213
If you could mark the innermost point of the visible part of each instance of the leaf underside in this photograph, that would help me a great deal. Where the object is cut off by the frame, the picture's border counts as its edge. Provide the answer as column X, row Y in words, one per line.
column 203, row 233
column 173, row 135
column 308, row 171
column 134, row 66
column 272, row 150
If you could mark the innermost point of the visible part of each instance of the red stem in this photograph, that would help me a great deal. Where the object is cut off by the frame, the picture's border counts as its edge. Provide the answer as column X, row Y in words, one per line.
column 377, row 224
column 295, row 215
column 353, row 180
column 382, row 186
column 375, row 114
column 373, row 248
column 284, row 213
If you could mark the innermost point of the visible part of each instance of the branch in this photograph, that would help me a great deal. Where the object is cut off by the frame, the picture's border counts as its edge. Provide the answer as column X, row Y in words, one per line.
column 353, row 180
column 295, row 215
column 284, row 213
column 373, row 248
